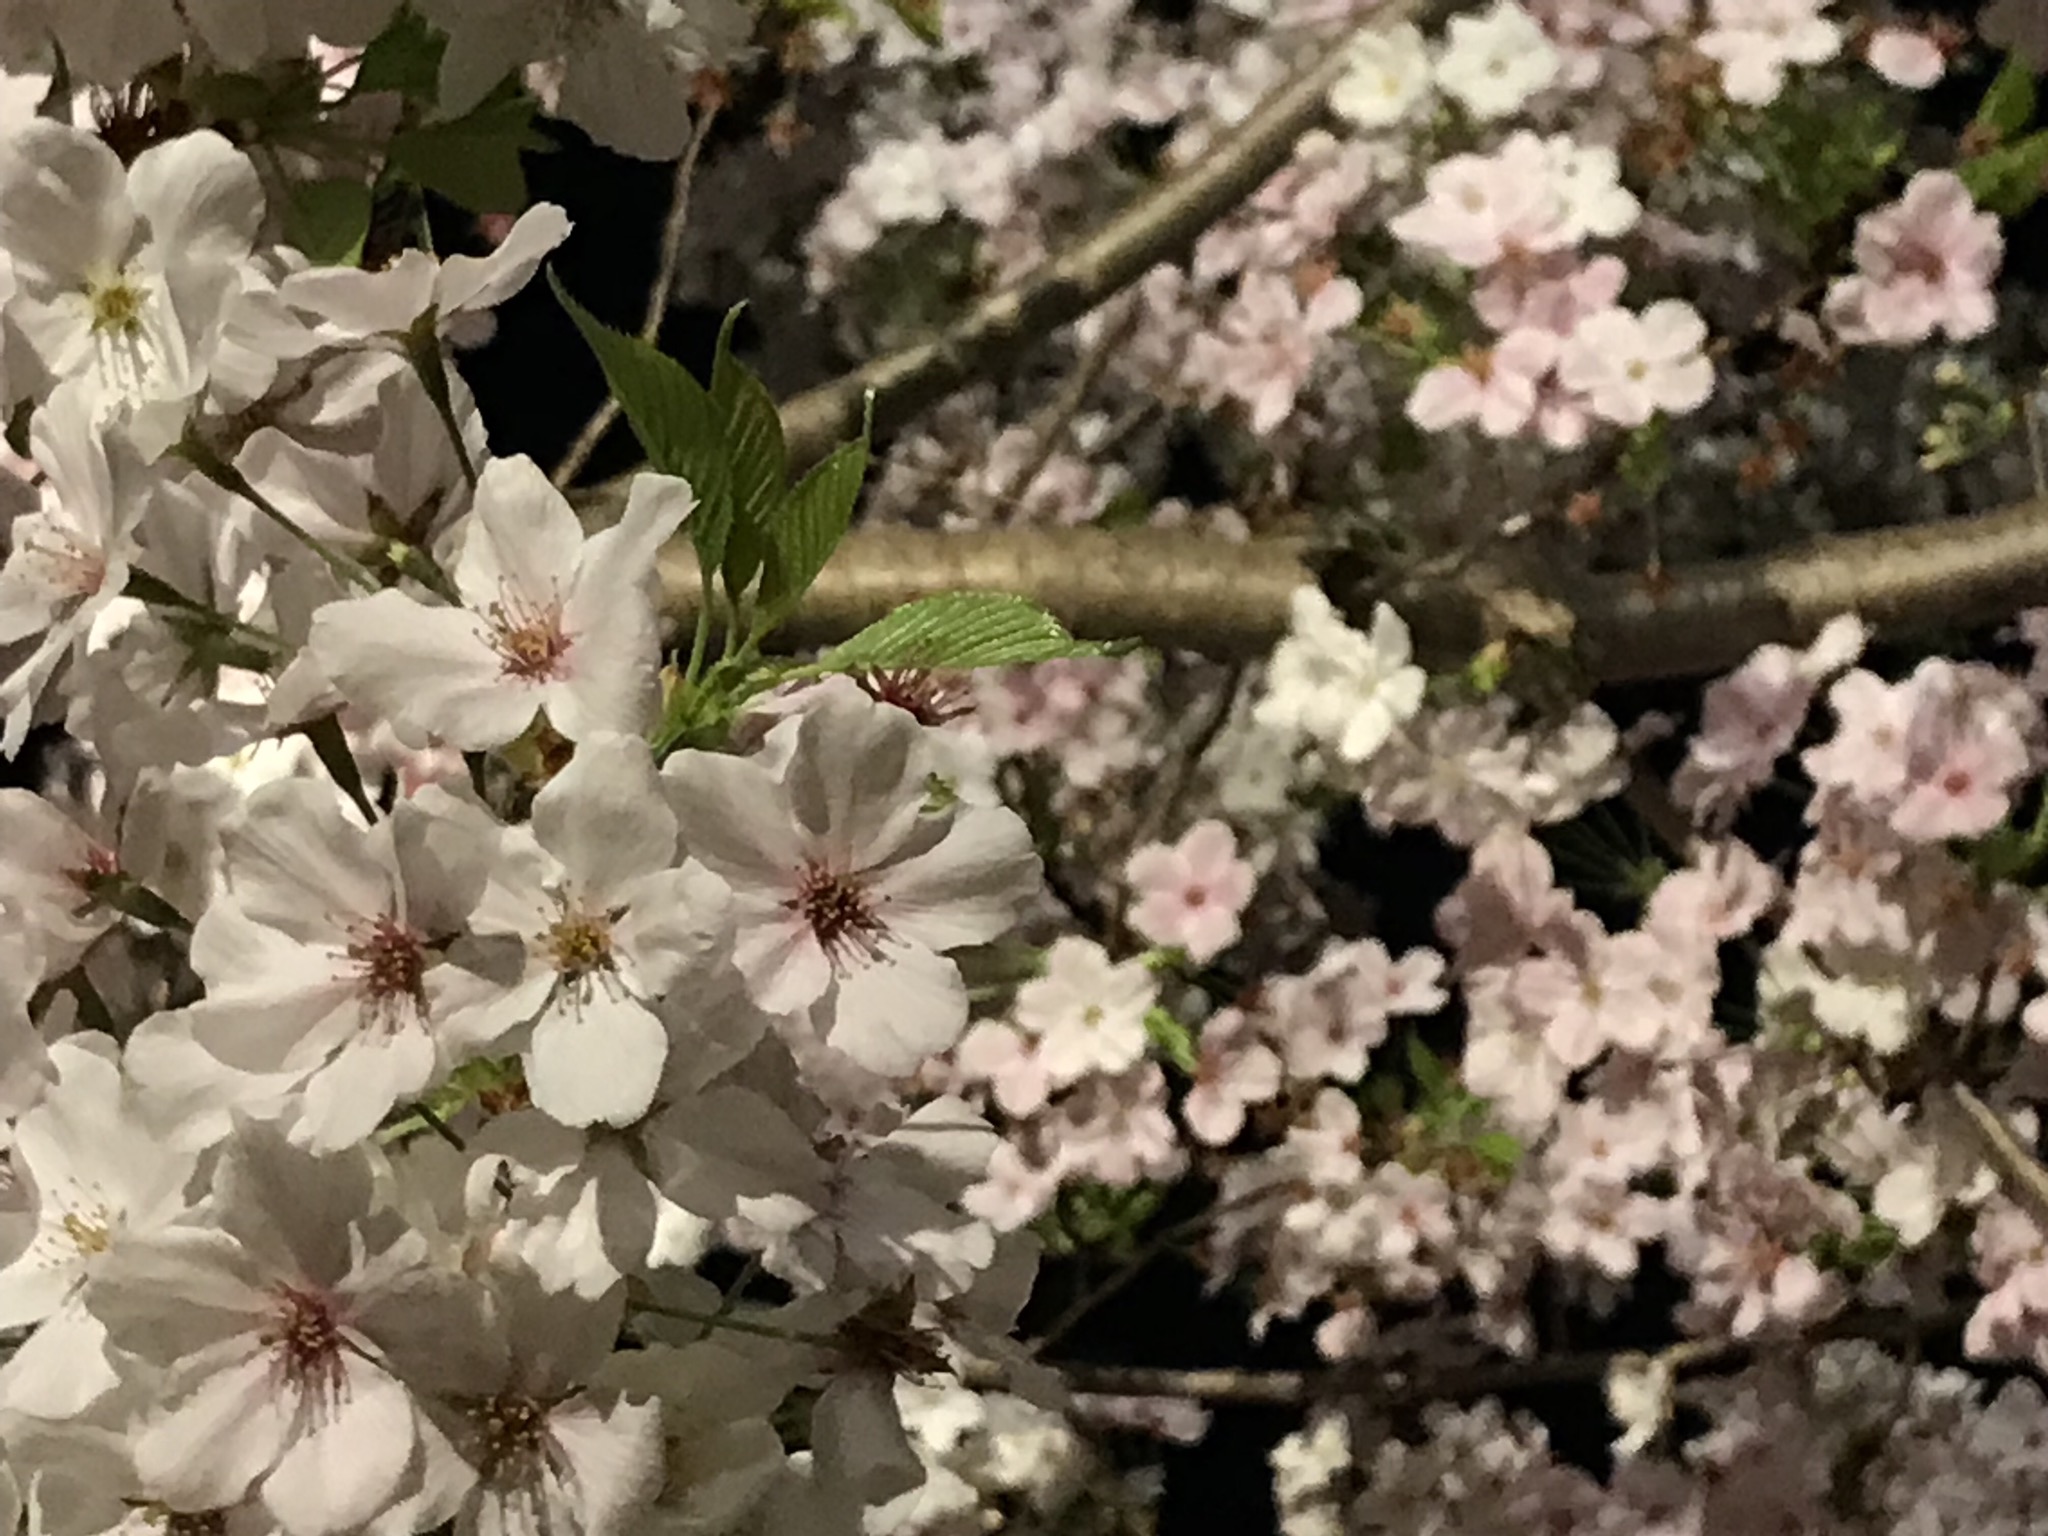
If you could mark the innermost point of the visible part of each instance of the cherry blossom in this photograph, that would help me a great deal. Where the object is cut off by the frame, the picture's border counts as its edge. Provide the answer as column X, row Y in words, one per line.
column 848, row 891
column 1189, row 894
column 551, row 620
column 1632, row 366
column 1923, row 264
column 1754, row 40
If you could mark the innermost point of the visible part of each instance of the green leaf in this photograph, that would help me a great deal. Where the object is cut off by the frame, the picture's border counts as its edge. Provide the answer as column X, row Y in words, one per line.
column 473, row 160
column 754, row 449
column 128, row 896
column 2007, row 180
column 332, row 748
column 808, row 527
column 1429, row 1072
column 672, row 415
column 404, row 57
column 923, row 17
column 329, row 220
column 959, row 630
column 1174, row 1039
column 1498, row 1150
column 2008, row 106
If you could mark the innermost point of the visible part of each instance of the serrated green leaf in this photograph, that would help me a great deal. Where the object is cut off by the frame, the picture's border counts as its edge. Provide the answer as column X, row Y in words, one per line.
column 473, row 160
column 754, row 449
column 329, row 220
column 2008, row 180
column 807, row 527
column 2008, row 106
column 672, row 415
column 960, row 630
column 404, row 57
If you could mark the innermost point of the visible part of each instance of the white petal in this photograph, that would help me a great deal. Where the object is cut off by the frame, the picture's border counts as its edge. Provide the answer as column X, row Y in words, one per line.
column 734, row 816
column 483, row 282
column 614, row 1464
column 345, row 1099
column 347, row 1468
column 970, row 889
column 61, row 1369
column 604, row 816
column 63, row 202
column 205, row 1451
column 201, row 197
column 599, row 1062
column 429, row 671
column 894, row 1015
column 522, row 541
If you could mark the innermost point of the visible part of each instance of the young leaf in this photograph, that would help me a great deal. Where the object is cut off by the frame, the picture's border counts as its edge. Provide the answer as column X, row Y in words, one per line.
column 2008, row 106
column 2009, row 179
column 404, row 57
column 808, row 527
column 1173, row 1038
column 1430, row 1075
column 753, row 440
column 672, row 415
column 473, row 160
column 329, row 220
column 960, row 630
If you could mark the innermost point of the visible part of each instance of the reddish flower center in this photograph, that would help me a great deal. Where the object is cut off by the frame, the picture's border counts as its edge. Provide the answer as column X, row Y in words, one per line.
column 305, row 1340
column 528, row 637
column 839, row 910
column 390, row 962
column 933, row 698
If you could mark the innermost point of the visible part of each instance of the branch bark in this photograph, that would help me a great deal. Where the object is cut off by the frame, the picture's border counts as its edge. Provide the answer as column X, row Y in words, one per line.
column 1159, row 226
column 1189, row 591
column 1394, row 1387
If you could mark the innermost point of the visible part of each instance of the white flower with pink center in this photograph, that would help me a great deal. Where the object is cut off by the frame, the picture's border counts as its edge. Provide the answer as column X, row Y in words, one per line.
column 551, row 620
column 325, row 965
column 848, row 887
column 1923, row 264
column 1189, row 894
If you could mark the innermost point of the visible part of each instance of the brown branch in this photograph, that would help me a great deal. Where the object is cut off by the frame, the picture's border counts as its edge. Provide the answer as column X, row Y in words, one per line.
column 1159, row 226
column 2020, row 1174
column 1189, row 591
column 1393, row 1387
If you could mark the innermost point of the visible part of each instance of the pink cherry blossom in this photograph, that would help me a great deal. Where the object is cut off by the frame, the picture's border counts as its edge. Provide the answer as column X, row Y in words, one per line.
column 1236, row 1070
column 1631, row 366
column 1754, row 40
column 1923, row 264
column 1907, row 57
column 1190, row 893
column 1495, row 387
column 1264, row 347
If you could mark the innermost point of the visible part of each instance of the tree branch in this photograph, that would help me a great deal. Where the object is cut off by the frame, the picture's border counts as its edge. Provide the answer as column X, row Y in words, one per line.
column 667, row 266
column 1393, row 1387
column 1159, row 226
column 1189, row 591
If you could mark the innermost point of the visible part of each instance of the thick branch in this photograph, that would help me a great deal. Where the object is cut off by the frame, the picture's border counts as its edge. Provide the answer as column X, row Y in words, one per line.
column 1159, row 226
column 1189, row 591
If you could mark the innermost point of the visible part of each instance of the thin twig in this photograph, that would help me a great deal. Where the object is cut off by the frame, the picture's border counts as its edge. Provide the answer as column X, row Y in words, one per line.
column 658, row 296
column 2020, row 1173
column 1125, row 1273
column 1058, row 415
column 1392, row 1387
